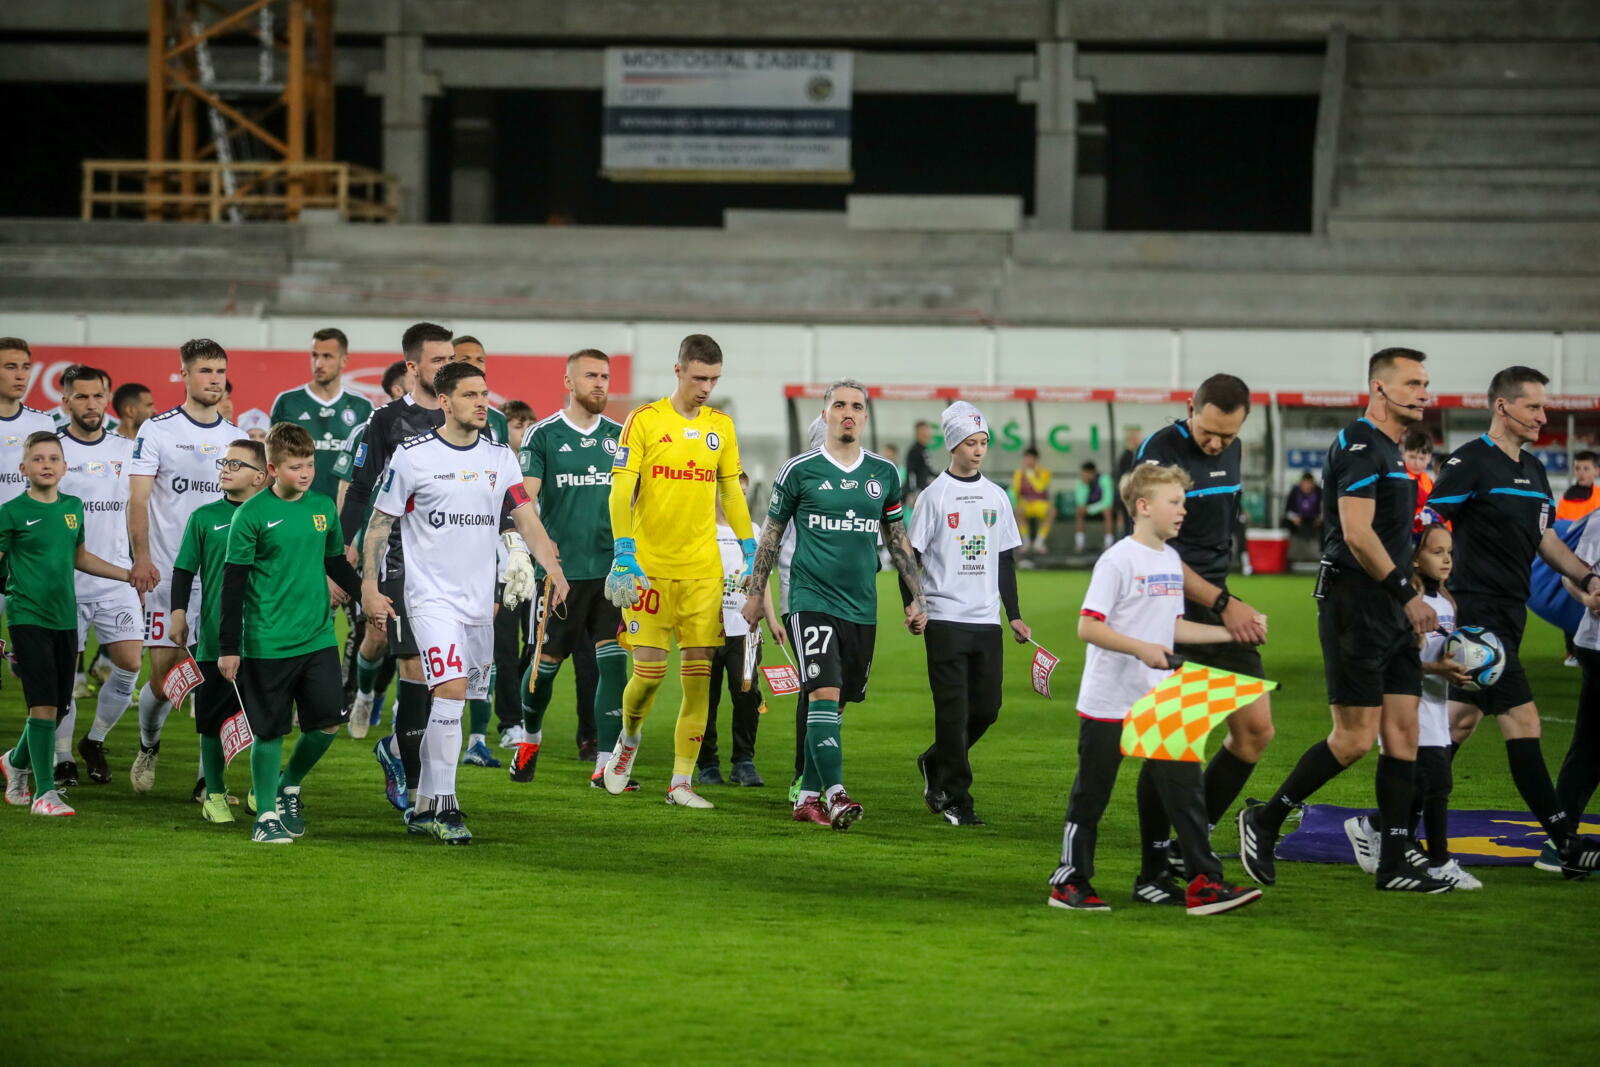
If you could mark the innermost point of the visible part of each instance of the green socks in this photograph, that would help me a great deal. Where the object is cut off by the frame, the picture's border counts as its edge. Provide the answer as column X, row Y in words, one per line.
column 478, row 716
column 37, row 749
column 266, row 757
column 612, row 661
column 536, row 703
column 824, row 757
column 306, row 752
column 367, row 673
column 212, row 763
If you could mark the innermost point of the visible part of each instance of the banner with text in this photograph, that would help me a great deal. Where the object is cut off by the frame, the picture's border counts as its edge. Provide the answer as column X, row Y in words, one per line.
column 717, row 114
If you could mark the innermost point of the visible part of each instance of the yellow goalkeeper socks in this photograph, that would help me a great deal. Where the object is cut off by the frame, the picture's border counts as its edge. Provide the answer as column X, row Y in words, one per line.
column 640, row 694
column 695, row 675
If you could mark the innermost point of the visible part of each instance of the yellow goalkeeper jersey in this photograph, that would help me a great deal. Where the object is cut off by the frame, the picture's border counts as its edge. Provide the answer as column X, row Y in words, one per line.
column 678, row 463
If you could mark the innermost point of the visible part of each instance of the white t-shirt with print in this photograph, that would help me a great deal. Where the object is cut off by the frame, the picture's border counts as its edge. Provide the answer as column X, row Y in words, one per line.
column 961, row 527
column 1138, row 592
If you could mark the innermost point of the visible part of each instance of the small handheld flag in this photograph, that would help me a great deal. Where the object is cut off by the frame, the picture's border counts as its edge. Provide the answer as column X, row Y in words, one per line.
column 1173, row 720
column 181, row 679
column 783, row 681
column 1044, row 665
column 752, row 652
column 236, row 735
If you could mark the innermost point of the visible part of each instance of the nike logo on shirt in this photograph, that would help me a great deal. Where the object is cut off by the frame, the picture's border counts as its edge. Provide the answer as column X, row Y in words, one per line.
column 224, row 526
column 32, row 521
column 273, row 523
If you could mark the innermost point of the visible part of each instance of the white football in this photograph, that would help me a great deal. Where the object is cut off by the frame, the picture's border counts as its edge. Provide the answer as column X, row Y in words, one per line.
column 1480, row 652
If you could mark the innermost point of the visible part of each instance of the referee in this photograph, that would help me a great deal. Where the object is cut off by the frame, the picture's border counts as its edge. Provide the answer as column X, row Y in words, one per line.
column 1369, row 618
column 1206, row 446
column 1498, row 499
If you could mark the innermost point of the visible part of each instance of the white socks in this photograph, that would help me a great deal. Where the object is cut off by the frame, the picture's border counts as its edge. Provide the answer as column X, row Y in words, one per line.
column 153, row 712
column 116, row 693
column 441, row 747
column 64, row 729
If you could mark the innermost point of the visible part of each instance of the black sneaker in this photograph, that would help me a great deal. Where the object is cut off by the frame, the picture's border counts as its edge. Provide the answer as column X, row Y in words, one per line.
column 1162, row 890
column 524, row 761
column 588, row 749
column 199, row 794
column 1256, row 847
column 744, row 773
column 933, row 798
column 94, row 760
column 1580, row 858
column 1208, row 895
column 66, row 774
column 710, row 774
column 961, row 815
column 1077, row 896
column 1410, row 875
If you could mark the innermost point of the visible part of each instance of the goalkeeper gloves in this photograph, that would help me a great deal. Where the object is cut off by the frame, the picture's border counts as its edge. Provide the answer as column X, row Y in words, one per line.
column 519, row 571
column 626, row 577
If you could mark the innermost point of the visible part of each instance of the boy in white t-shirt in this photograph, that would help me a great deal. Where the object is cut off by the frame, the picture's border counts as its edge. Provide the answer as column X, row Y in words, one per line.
column 1131, row 617
column 728, row 662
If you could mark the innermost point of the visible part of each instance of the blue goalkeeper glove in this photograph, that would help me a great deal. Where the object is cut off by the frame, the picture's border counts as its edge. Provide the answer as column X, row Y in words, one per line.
column 748, row 547
column 627, row 577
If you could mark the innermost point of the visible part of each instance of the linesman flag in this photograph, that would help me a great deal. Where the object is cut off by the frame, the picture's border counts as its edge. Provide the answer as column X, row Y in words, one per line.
column 1173, row 720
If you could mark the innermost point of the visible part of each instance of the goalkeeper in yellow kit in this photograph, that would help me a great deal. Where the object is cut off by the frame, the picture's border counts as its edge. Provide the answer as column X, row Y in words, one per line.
column 674, row 459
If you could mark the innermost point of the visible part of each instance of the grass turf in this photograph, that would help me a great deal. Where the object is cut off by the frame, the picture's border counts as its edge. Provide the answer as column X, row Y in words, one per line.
column 582, row 927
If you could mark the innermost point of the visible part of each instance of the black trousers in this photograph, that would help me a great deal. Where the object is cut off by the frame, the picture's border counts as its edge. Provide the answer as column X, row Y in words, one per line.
column 352, row 642
column 1431, row 804
column 728, row 661
column 1580, row 770
column 1168, row 791
column 508, row 629
column 585, row 676
column 964, row 671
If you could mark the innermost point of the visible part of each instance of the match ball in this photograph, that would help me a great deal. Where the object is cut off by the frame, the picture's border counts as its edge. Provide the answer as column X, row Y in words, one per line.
column 1480, row 653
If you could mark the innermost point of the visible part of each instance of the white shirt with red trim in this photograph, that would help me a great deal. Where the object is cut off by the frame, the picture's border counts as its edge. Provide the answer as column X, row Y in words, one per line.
column 1138, row 592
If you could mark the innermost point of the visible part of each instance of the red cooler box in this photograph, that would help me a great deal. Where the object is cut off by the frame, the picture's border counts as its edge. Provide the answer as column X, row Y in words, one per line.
column 1269, row 550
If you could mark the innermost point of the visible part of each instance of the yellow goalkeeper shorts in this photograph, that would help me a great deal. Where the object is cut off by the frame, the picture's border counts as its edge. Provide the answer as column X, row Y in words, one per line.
column 690, row 609
column 1035, row 510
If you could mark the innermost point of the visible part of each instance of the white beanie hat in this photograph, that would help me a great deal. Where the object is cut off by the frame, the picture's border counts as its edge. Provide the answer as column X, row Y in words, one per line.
column 960, row 421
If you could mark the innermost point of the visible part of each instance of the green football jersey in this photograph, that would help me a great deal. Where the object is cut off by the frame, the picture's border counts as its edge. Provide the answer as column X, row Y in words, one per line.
column 837, row 513
column 499, row 429
column 202, row 552
column 40, row 542
column 284, row 543
column 574, row 472
column 329, row 425
column 344, row 469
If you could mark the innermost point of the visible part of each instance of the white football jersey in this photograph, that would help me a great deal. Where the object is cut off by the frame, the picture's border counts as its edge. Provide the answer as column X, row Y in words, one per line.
column 447, row 500
column 1433, row 716
column 961, row 527
column 13, row 432
column 1138, row 592
column 181, row 455
column 97, row 474
column 733, row 624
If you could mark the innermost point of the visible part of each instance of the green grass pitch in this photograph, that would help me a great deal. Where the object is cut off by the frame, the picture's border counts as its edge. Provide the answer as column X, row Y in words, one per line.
column 584, row 928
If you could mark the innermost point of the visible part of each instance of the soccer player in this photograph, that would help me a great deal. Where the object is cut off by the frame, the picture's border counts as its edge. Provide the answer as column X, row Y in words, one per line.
column 203, row 554
column 566, row 464
column 1130, row 617
column 1498, row 500
column 275, row 639
column 674, row 457
column 1369, row 619
column 41, row 535
column 470, row 350
column 443, row 493
column 816, row 437
column 173, row 472
column 133, row 405
column 966, row 539
column 729, row 662
column 323, row 407
column 427, row 350
column 1030, row 484
column 17, row 420
column 840, row 498
column 97, row 469
column 1205, row 445
column 519, row 420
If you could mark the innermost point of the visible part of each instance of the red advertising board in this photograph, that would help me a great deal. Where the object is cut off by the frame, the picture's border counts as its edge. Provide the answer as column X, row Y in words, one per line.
column 260, row 374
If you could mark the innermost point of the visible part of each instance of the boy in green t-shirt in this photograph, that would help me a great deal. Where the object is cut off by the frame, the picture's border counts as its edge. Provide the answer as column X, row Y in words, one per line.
column 204, row 552
column 276, row 615
column 41, row 535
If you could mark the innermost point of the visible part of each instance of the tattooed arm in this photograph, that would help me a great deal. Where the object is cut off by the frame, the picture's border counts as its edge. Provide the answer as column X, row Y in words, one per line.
column 899, row 545
column 761, row 570
column 378, row 608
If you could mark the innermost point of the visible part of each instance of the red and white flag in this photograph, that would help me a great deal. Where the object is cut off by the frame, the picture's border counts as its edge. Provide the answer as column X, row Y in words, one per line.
column 236, row 735
column 181, row 679
column 783, row 680
column 1044, row 664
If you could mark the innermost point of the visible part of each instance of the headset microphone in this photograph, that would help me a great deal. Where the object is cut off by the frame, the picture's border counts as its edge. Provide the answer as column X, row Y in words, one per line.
column 1529, row 426
column 1396, row 403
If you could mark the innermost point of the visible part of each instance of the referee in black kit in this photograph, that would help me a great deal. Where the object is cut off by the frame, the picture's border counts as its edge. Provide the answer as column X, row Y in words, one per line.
column 1498, row 499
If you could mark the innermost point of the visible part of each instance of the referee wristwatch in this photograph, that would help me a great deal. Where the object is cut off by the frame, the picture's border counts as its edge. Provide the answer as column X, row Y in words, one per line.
column 1223, row 600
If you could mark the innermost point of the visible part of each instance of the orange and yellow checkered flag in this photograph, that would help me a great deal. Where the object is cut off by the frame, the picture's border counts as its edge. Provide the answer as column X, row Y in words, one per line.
column 1173, row 720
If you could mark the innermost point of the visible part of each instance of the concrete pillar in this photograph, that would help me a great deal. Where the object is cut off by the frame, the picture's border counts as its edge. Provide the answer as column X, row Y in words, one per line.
column 405, row 88
column 472, row 156
column 1055, row 90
